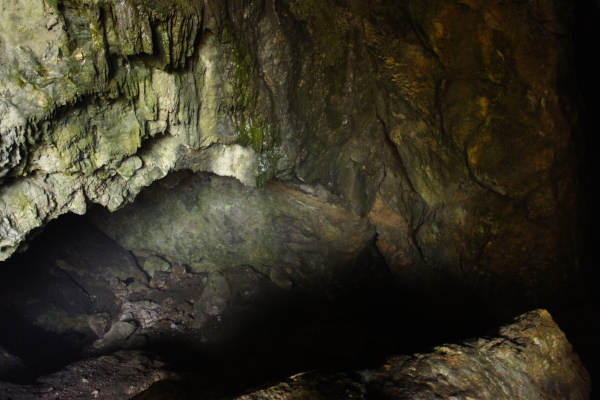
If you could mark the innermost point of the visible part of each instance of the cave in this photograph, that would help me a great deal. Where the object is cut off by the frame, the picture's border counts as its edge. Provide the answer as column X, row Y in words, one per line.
column 297, row 199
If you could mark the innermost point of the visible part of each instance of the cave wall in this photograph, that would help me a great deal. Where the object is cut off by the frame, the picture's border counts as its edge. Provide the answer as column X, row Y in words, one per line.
column 443, row 127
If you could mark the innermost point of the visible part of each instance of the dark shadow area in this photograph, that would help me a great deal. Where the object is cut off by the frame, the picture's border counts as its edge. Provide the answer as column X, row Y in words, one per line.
column 351, row 325
column 583, row 319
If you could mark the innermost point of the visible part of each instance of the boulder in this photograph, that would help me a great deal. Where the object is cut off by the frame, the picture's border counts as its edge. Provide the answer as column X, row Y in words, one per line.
column 528, row 359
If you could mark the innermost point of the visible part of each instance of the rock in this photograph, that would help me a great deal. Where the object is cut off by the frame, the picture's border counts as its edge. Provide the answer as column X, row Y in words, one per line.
column 109, row 149
column 439, row 135
column 68, row 298
column 198, row 260
column 529, row 359
column 211, row 223
column 463, row 164
column 121, row 375
column 119, row 332
column 155, row 264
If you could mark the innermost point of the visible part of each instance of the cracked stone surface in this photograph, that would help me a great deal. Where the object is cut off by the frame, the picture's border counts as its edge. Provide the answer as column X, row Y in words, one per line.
column 463, row 164
column 277, row 147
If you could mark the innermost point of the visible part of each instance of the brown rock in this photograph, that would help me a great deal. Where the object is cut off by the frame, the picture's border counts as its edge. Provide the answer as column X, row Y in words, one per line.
column 529, row 359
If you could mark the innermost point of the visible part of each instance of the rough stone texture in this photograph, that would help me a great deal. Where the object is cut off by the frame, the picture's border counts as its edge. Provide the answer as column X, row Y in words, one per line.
column 115, row 97
column 444, row 122
column 121, row 375
column 196, row 261
column 295, row 232
column 440, row 131
column 529, row 359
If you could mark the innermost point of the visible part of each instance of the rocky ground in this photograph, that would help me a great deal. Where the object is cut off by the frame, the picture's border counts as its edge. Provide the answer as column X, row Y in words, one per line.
column 529, row 359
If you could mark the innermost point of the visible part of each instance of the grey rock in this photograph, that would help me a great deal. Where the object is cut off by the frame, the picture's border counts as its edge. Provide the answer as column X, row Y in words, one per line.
column 121, row 375
column 212, row 223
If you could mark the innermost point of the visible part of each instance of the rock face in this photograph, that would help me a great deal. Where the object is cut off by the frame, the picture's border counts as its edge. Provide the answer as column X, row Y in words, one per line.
column 530, row 359
column 196, row 261
column 443, row 122
column 296, row 232
column 277, row 150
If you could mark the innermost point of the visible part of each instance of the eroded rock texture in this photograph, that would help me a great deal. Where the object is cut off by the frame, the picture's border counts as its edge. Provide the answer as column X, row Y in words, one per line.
column 530, row 359
column 198, row 261
column 442, row 121
column 428, row 144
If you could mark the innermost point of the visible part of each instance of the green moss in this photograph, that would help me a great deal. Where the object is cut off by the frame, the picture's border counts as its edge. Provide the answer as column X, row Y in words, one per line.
column 244, row 95
column 267, row 165
column 251, row 128
column 252, row 135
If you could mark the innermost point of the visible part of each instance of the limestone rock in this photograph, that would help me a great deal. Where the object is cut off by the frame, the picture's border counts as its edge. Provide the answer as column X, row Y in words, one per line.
column 193, row 260
column 529, row 359
column 116, row 96
column 464, row 164
column 440, row 131
column 211, row 223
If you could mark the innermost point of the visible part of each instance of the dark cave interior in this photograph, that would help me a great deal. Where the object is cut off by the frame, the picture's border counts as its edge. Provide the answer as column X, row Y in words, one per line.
column 347, row 327
column 351, row 323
